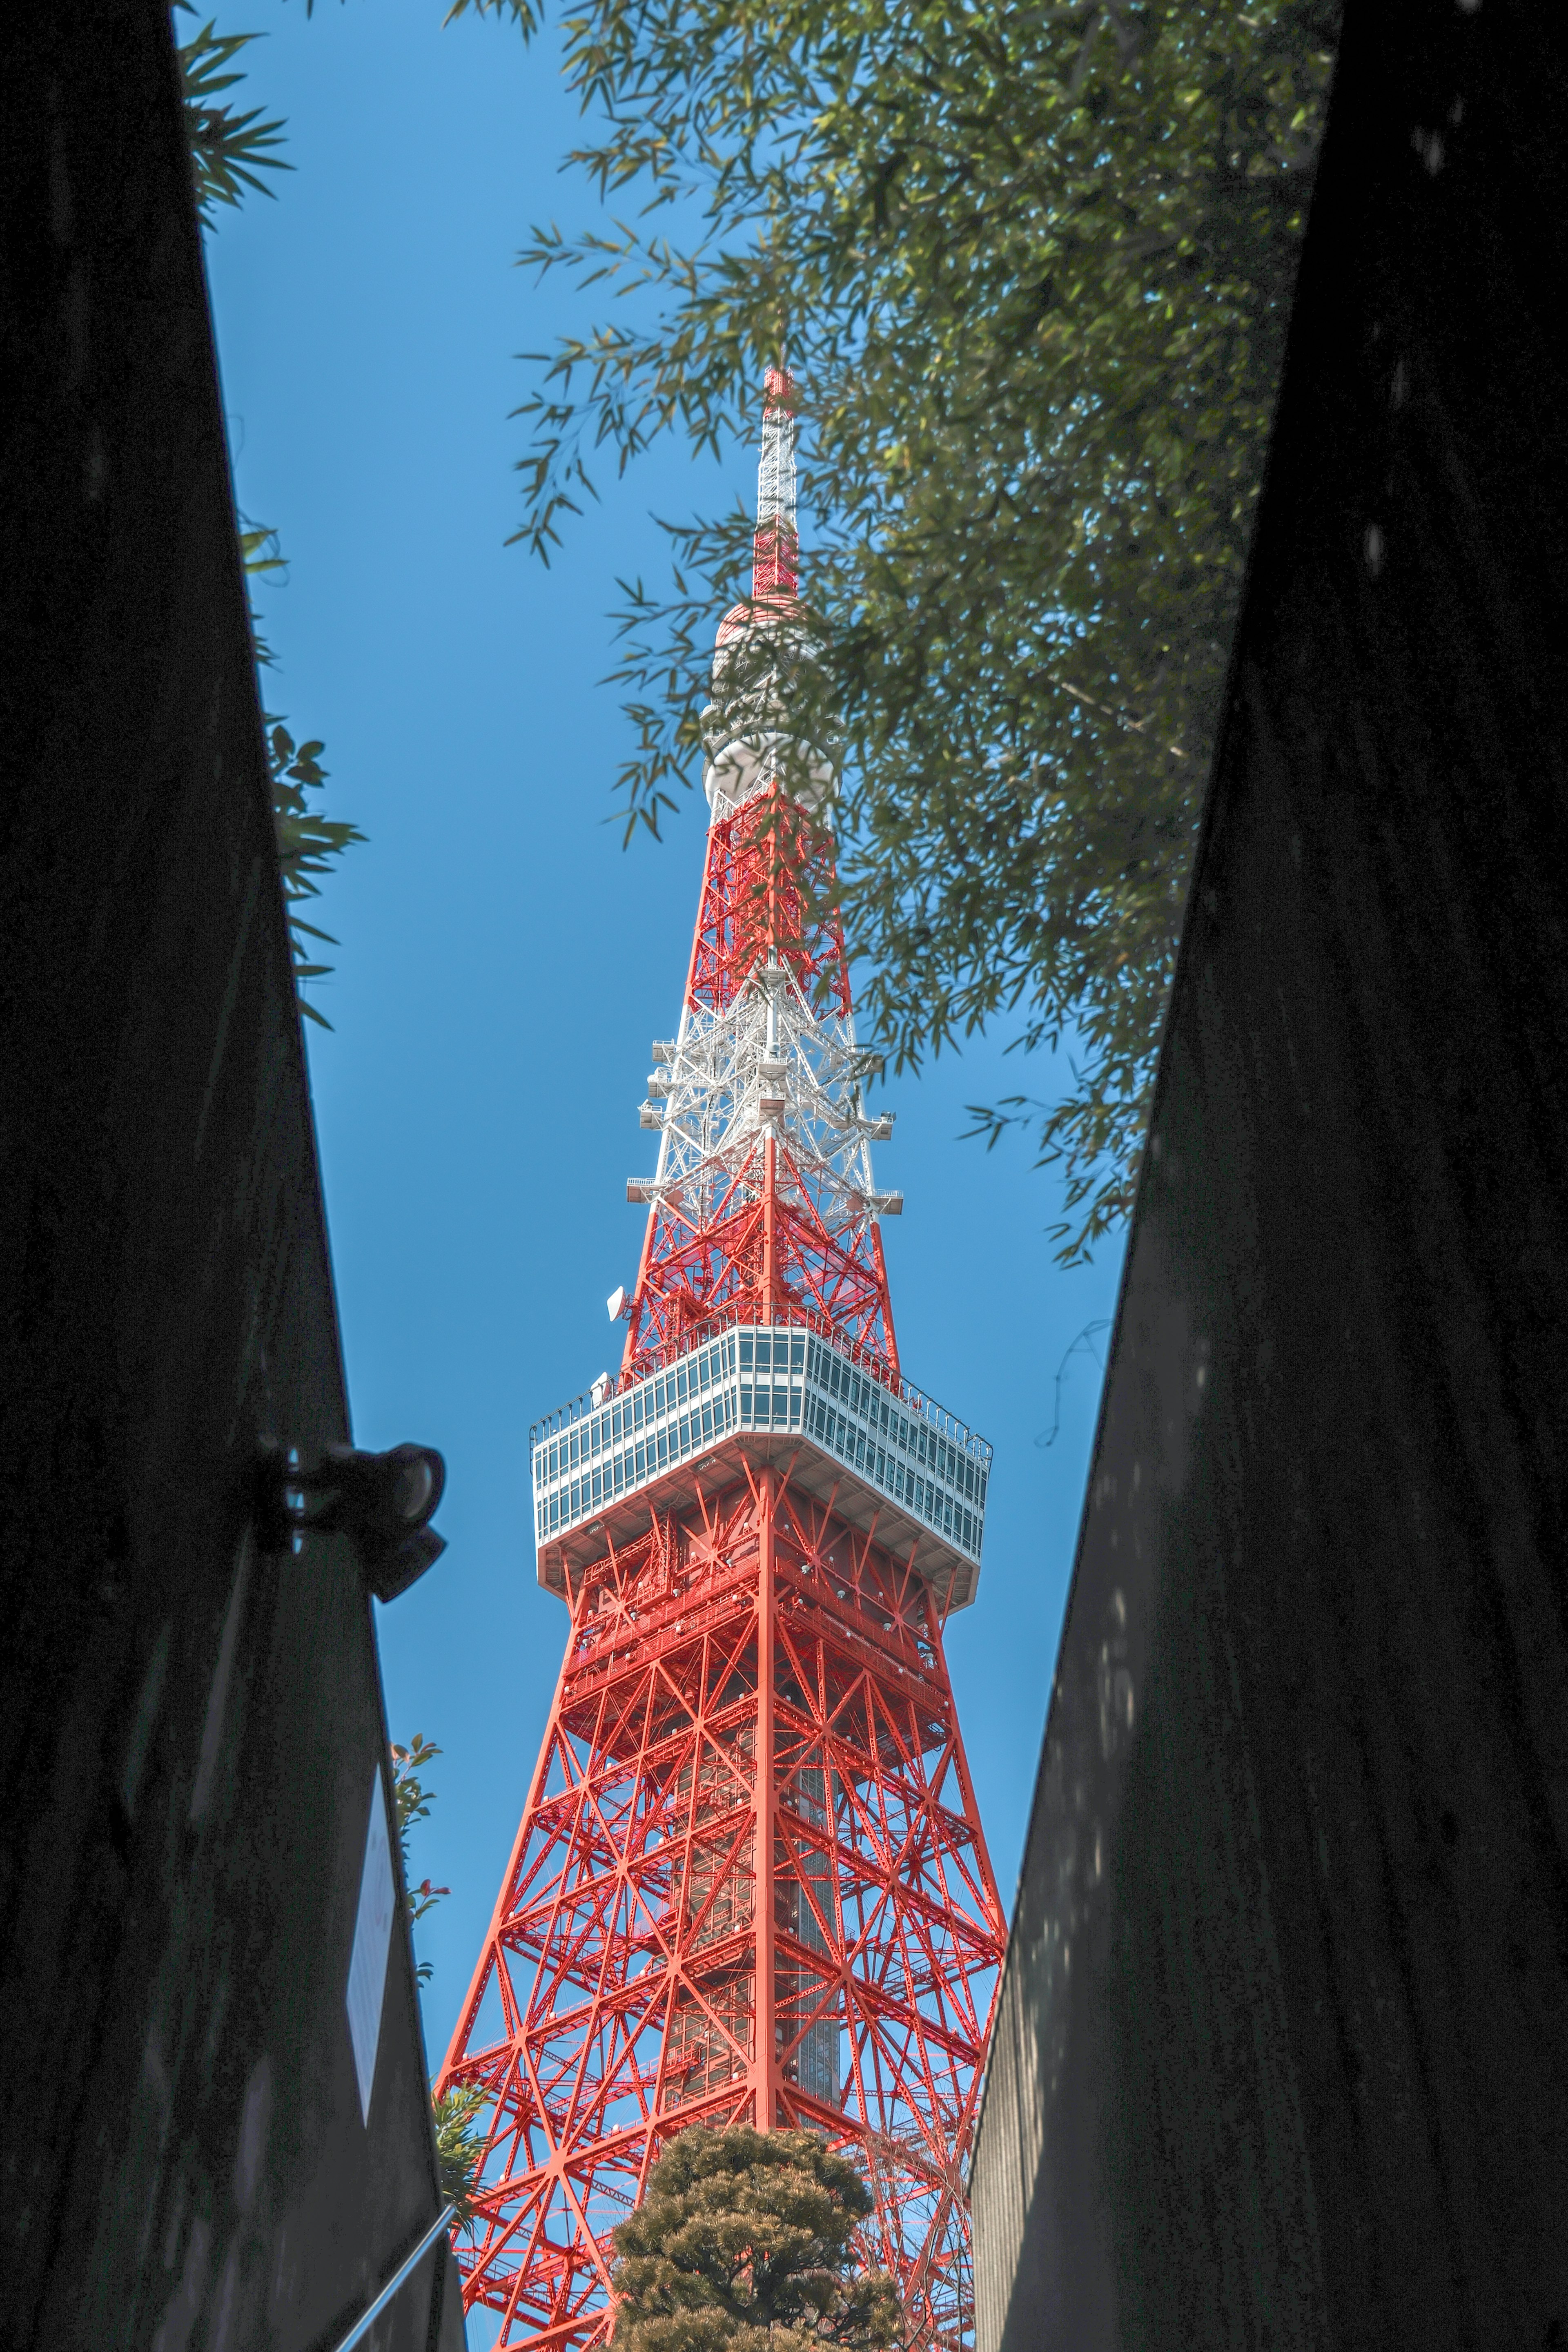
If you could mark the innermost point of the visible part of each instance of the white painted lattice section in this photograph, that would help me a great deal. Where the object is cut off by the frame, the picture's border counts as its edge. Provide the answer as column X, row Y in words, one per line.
column 767, row 1062
column 776, row 469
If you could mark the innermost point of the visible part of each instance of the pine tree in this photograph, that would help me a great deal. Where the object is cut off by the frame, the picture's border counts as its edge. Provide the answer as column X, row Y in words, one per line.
column 744, row 2243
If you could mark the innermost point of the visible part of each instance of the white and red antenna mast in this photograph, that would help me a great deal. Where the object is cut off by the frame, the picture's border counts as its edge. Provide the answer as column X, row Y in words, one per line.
column 763, row 1205
column 776, row 547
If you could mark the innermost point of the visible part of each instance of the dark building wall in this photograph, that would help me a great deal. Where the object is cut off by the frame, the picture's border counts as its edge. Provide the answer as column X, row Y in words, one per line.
column 189, row 1728
column 1282, row 2055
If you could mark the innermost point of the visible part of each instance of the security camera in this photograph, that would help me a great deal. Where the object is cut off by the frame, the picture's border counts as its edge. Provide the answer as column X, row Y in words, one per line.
column 382, row 1502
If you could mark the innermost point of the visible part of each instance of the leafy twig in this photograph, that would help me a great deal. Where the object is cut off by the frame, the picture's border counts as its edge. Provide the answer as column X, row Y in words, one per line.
column 1084, row 1341
column 414, row 1801
column 229, row 150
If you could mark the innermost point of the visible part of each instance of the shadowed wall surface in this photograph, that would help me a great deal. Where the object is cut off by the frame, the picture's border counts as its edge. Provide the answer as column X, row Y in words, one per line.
column 192, row 1731
column 1283, row 2056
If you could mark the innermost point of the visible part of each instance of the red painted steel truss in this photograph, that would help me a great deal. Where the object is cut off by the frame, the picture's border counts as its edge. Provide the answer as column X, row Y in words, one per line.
column 768, row 895
column 751, row 1803
column 766, row 1240
column 767, row 1252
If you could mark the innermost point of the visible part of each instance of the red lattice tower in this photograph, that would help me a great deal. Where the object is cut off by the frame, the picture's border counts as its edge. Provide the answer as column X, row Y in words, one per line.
column 750, row 1881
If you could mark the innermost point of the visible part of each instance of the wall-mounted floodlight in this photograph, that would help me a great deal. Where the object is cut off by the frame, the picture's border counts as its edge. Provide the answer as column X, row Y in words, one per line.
column 382, row 1502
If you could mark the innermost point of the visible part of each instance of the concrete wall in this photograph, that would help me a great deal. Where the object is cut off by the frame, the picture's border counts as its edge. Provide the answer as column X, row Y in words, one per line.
column 1282, row 2055
column 189, row 1731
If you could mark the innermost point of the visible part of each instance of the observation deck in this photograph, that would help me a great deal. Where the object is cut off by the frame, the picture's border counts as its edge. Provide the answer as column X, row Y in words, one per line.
column 882, row 1451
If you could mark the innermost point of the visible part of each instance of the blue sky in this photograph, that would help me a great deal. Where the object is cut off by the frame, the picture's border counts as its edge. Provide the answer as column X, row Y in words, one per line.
column 503, row 962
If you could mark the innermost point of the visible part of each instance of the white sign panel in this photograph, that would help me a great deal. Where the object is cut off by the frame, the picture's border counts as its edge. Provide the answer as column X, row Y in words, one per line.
column 373, row 1933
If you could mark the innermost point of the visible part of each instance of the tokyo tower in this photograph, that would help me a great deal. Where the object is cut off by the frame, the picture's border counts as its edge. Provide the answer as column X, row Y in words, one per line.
column 750, row 1883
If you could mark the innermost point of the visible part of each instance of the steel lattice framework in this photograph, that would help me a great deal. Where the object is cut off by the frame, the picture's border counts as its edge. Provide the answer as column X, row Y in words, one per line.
column 750, row 1881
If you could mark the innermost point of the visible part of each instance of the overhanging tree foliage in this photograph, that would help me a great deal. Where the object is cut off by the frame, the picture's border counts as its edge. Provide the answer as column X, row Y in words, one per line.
column 744, row 2242
column 230, row 147
column 1032, row 264
column 308, row 839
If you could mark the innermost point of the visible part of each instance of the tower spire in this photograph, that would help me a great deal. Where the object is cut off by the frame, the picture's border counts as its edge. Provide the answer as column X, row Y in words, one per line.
column 763, row 1206
column 775, row 546
column 750, row 1883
